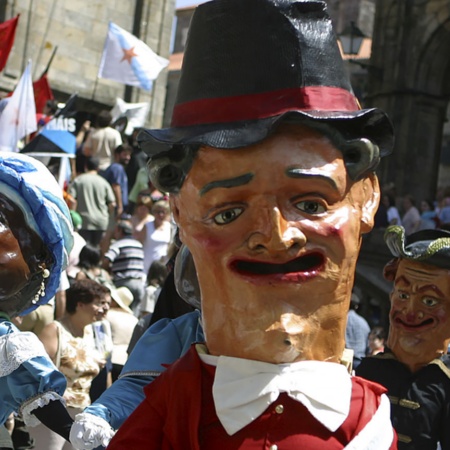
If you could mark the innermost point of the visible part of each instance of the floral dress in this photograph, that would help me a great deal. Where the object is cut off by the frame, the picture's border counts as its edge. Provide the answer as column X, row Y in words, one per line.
column 80, row 363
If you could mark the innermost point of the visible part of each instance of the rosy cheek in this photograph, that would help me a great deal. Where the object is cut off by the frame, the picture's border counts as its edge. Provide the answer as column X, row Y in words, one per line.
column 443, row 314
column 210, row 243
column 322, row 229
column 334, row 231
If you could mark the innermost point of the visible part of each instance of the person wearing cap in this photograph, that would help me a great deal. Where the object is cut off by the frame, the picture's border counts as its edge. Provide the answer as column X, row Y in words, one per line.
column 270, row 164
column 415, row 366
column 35, row 240
column 124, row 260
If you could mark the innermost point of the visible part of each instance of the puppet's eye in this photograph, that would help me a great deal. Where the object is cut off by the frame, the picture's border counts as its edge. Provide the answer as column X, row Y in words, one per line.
column 429, row 301
column 310, row 207
column 402, row 295
column 228, row 216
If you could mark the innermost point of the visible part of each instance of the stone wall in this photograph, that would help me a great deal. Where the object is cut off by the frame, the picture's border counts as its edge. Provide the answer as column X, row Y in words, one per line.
column 78, row 29
column 411, row 47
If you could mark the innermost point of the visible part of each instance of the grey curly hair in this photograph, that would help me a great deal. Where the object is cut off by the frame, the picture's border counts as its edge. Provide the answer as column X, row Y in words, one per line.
column 168, row 169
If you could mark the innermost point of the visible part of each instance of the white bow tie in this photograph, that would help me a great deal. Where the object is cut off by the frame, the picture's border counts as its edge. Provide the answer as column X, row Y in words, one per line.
column 243, row 389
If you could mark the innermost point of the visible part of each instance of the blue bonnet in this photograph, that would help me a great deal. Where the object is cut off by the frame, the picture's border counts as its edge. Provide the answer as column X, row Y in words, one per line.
column 31, row 186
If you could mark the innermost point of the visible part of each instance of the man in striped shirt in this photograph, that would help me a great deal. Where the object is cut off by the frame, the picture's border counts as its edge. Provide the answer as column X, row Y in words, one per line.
column 125, row 261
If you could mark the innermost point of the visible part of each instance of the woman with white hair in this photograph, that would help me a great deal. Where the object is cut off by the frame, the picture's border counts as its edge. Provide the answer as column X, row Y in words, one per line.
column 156, row 235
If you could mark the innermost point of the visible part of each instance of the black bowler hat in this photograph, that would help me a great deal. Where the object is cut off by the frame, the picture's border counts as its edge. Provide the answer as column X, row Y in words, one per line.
column 425, row 246
column 250, row 64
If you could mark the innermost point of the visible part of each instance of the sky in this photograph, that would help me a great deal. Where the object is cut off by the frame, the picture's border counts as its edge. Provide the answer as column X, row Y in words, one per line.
column 185, row 3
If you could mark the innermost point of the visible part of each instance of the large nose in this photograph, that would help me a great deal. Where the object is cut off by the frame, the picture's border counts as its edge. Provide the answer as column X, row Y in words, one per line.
column 274, row 233
column 412, row 311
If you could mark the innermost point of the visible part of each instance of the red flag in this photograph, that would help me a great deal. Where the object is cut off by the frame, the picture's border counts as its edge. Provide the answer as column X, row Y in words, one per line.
column 7, row 34
column 42, row 93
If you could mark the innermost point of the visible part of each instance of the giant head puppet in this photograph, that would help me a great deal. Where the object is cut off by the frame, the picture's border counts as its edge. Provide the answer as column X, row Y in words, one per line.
column 35, row 239
column 35, row 234
column 270, row 165
column 419, row 330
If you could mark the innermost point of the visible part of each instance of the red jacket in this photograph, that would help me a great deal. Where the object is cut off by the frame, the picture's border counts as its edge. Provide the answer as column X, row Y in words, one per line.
column 178, row 414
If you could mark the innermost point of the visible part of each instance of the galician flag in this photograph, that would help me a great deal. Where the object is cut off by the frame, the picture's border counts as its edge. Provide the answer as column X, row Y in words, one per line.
column 128, row 60
column 18, row 119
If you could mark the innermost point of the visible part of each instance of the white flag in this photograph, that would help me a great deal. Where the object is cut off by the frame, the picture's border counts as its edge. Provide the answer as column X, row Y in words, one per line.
column 129, row 60
column 136, row 113
column 18, row 119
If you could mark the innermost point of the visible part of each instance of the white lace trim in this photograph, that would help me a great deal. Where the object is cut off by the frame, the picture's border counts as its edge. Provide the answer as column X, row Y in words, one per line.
column 16, row 348
column 38, row 401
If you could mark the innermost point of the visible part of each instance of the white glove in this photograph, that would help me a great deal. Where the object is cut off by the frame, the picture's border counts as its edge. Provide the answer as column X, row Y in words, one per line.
column 89, row 432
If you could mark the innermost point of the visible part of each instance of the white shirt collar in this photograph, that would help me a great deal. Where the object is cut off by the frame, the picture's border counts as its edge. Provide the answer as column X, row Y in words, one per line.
column 243, row 389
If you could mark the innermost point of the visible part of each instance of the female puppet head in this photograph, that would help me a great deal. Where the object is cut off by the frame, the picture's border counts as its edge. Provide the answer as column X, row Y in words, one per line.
column 35, row 234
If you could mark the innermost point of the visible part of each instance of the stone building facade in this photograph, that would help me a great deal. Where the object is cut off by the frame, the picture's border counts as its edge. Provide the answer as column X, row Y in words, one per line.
column 342, row 12
column 77, row 30
column 411, row 82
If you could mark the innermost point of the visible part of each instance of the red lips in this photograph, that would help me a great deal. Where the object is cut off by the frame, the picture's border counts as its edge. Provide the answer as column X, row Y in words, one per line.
column 297, row 270
column 415, row 326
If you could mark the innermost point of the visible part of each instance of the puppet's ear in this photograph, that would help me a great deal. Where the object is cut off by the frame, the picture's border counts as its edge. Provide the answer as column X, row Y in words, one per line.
column 390, row 269
column 174, row 209
column 371, row 201
column 174, row 203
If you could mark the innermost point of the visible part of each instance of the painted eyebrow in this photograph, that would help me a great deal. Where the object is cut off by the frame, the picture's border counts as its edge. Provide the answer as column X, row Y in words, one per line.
column 431, row 287
column 294, row 172
column 426, row 287
column 227, row 183
column 402, row 279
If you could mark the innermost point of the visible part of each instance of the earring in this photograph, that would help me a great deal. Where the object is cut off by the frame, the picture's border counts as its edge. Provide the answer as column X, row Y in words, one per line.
column 41, row 291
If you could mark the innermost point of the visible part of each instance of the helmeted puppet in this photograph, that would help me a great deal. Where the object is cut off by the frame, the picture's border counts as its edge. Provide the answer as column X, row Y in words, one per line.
column 35, row 239
column 270, row 165
column 415, row 368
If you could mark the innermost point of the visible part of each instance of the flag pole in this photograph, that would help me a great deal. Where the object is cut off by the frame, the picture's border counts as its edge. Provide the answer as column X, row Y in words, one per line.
column 95, row 88
column 27, row 37
column 49, row 61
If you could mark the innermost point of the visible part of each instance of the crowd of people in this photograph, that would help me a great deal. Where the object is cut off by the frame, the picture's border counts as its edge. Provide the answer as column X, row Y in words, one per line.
column 197, row 290
column 412, row 213
column 125, row 232
column 115, row 271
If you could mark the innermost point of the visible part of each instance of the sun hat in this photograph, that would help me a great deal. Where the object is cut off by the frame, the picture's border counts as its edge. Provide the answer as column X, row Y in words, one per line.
column 123, row 297
column 426, row 246
column 31, row 186
column 249, row 65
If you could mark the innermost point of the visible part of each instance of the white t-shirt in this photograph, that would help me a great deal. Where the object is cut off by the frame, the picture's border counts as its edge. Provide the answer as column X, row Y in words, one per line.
column 156, row 243
column 392, row 213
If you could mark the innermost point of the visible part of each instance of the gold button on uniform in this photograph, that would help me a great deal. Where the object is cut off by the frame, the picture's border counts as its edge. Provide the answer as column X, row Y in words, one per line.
column 273, row 447
column 279, row 409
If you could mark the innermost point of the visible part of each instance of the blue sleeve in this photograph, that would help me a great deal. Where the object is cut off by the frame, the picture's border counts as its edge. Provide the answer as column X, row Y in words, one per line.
column 112, row 174
column 162, row 344
column 34, row 377
column 117, row 403
column 28, row 378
